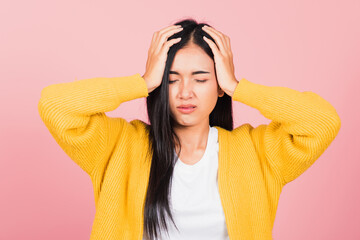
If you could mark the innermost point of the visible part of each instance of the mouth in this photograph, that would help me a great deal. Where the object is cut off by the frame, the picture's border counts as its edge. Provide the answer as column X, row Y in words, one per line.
column 186, row 106
column 187, row 109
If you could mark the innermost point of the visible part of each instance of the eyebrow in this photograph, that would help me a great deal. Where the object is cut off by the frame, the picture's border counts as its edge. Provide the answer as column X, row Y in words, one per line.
column 193, row 73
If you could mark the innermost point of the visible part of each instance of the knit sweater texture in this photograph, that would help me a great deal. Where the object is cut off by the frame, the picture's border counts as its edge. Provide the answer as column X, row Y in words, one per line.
column 254, row 162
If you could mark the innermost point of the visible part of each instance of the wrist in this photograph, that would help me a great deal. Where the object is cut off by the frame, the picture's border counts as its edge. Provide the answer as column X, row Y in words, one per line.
column 148, row 85
column 231, row 88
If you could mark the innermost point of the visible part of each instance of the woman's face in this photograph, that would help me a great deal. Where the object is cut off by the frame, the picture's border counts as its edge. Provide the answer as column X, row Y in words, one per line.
column 186, row 86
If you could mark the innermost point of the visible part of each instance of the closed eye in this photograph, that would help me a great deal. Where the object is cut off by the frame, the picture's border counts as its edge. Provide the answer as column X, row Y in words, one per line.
column 195, row 80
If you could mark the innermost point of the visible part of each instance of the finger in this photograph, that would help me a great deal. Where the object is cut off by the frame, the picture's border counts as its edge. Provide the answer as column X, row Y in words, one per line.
column 158, row 34
column 168, row 28
column 168, row 44
column 165, row 30
column 227, row 40
column 212, row 45
column 164, row 37
column 217, row 37
column 222, row 35
column 228, row 43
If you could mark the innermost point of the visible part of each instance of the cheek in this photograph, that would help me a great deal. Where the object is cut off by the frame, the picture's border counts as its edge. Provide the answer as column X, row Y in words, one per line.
column 209, row 96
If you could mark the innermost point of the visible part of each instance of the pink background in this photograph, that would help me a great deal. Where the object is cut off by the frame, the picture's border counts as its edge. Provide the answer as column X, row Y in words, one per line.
column 304, row 45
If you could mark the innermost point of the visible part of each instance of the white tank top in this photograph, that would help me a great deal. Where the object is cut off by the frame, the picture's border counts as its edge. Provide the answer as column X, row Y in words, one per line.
column 195, row 200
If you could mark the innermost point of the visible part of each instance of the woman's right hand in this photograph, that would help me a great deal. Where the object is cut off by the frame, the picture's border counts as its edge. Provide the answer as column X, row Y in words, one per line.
column 157, row 55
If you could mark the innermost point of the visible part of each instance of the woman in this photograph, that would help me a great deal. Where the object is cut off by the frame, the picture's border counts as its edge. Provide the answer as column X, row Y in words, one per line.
column 189, row 174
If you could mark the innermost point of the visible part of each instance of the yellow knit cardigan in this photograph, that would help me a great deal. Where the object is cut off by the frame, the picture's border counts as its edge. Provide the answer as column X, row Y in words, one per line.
column 254, row 163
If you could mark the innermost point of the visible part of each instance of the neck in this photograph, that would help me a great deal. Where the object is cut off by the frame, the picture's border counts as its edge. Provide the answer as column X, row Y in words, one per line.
column 192, row 137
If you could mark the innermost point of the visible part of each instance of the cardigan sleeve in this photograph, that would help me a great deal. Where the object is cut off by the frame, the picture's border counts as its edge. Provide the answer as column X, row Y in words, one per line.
column 302, row 126
column 74, row 114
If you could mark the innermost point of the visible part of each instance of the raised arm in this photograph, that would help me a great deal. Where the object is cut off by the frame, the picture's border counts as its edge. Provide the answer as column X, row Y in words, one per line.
column 74, row 113
column 302, row 126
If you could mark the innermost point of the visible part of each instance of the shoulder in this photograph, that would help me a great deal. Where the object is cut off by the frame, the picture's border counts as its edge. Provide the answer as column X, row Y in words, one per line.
column 243, row 135
column 245, row 128
column 129, row 129
column 139, row 125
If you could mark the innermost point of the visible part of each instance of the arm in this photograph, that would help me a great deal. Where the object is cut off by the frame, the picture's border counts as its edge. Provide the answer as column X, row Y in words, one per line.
column 302, row 126
column 74, row 113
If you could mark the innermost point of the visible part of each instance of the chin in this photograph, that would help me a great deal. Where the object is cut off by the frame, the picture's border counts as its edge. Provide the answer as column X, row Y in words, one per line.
column 187, row 123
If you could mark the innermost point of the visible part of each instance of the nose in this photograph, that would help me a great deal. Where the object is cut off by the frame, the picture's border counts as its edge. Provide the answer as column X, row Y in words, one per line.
column 185, row 89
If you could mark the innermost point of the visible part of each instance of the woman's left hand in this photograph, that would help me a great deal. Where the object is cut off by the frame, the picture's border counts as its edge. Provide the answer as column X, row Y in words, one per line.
column 223, row 60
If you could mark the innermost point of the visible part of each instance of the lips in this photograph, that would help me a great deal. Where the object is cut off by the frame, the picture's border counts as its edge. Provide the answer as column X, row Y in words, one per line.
column 187, row 106
column 186, row 109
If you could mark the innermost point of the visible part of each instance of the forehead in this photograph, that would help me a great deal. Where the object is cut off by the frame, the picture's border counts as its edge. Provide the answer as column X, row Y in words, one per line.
column 191, row 59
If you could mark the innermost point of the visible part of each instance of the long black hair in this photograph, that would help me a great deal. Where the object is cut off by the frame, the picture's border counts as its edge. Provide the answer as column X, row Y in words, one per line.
column 162, row 136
